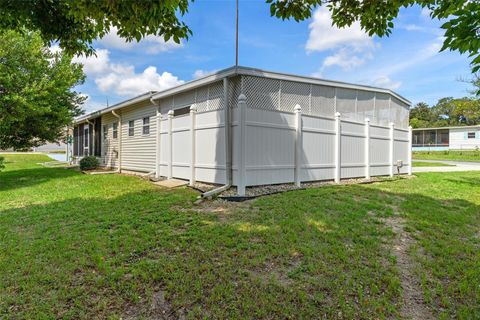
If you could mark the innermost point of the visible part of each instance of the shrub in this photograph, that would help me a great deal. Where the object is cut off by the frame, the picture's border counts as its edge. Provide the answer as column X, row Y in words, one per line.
column 2, row 166
column 89, row 163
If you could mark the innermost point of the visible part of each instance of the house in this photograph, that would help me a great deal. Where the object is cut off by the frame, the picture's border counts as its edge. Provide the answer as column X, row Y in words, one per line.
column 446, row 138
column 245, row 127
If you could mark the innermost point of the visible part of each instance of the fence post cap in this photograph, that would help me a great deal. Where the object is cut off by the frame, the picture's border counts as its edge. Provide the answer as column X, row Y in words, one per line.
column 297, row 108
column 392, row 124
column 193, row 108
column 367, row 119
column 337, row 114
column 242, row 97
column 170, row 113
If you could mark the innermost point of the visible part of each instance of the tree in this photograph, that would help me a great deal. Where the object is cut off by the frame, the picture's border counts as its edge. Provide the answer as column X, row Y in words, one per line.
column 36, row 97
column 75, row 24
column 421, row 115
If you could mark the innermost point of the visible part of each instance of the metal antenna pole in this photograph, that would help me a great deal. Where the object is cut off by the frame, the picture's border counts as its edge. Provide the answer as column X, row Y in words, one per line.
column 236, row 38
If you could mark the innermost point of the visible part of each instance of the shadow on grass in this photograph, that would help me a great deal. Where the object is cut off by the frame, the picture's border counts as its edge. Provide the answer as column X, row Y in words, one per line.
column 21, row 178
column 303, row 254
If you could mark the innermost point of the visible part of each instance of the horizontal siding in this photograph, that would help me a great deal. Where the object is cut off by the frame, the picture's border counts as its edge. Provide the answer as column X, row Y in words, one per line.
column 138, row 151
column 110, row 150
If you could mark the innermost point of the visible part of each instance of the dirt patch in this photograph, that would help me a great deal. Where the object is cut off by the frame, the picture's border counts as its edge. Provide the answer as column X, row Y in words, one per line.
column 159, row 308
column 223, row 209
column 413, row 304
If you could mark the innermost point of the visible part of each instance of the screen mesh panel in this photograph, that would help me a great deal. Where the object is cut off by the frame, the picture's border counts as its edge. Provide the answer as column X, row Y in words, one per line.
column 382, row 109
column 365, row 105
column 293, row 93
column 346, row 103
column 323, row 101
column 262, row 93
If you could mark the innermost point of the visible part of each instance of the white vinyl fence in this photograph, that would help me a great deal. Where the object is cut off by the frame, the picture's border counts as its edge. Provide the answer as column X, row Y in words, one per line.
column 271, row 147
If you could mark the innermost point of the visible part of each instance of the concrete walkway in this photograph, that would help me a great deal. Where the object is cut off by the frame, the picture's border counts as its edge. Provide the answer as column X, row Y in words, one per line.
column 459, row 166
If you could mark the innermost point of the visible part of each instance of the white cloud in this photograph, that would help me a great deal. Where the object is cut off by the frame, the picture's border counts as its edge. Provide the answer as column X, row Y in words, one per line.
column 91, row 105
column 202, row 73
column 150, row 44
column 324, row 36
column 94, row 64
column 386, row 82
column 351, row 46
column 122, row 79
column 125, row 82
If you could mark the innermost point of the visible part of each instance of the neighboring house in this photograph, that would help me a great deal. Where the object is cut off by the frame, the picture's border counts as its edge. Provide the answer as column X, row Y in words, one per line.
column 446, row 138
column 245, row 127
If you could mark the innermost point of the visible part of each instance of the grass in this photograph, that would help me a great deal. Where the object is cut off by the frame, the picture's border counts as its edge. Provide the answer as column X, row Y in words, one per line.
column 451, row 155
column 431, row 164
column 113, row 246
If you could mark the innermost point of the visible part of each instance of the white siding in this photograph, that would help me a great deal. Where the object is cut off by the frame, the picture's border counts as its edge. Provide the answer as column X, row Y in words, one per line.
column 109, row 146
column 138, row 151
column 459, row 140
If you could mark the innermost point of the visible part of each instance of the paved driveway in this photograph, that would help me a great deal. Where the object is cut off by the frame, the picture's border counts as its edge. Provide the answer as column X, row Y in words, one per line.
column 459, row 166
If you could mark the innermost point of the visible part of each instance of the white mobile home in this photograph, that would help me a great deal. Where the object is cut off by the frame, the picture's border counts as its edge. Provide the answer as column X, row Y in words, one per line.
column 446, row 138
column 246, row 127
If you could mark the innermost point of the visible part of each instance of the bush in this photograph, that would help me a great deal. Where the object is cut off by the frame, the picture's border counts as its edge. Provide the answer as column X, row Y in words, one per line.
column 89, row 163
column 1, row 163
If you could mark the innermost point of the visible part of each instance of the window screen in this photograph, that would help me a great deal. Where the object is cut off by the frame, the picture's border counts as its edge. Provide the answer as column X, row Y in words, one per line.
column 181, row 111
column 146, row 125
column 105, row 132
column 131, row 127
column 115, row 130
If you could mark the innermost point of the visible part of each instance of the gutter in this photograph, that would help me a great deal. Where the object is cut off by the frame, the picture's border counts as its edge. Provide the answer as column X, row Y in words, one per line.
column 119, row 132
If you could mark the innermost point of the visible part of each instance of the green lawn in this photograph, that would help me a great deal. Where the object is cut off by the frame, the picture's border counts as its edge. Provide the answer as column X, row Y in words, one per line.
column 431, row 164
column 452, row 155
column 113, row 246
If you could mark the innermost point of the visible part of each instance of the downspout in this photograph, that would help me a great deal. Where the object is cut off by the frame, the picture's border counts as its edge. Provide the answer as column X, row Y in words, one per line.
column 157, row 139
column 119, row 132
column 228, row 146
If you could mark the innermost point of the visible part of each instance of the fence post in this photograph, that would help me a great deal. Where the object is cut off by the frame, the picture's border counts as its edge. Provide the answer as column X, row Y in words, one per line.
column 298, row 143
column 390, row 157
column 338, row 139
column 367, row 148
column 170, row 144
column 157, row 141
column 410, row 137
column 193, row 111
column 242, row 105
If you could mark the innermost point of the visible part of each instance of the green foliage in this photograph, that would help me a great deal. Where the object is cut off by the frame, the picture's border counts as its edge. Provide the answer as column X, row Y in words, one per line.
column 36, row 101
column 75, row 24
column 376, row 18
column 2, row 165
column 447, row 112
column 89, row 163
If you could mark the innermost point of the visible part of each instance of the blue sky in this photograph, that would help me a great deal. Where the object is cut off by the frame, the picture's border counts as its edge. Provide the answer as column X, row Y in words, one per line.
column 408, row 61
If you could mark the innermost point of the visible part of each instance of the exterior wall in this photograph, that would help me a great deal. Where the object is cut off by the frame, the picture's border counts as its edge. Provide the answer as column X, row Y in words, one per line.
column 110, row 149
column 459, row 140
column 139, row 150
column 266, row 152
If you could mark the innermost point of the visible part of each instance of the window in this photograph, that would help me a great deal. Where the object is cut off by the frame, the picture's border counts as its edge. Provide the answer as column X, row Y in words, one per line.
column 181, row 111
column 146, row 125
column 471, row 135
column 105, row 132
column 86, row 137
column 131, row 128
column 115, row 130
